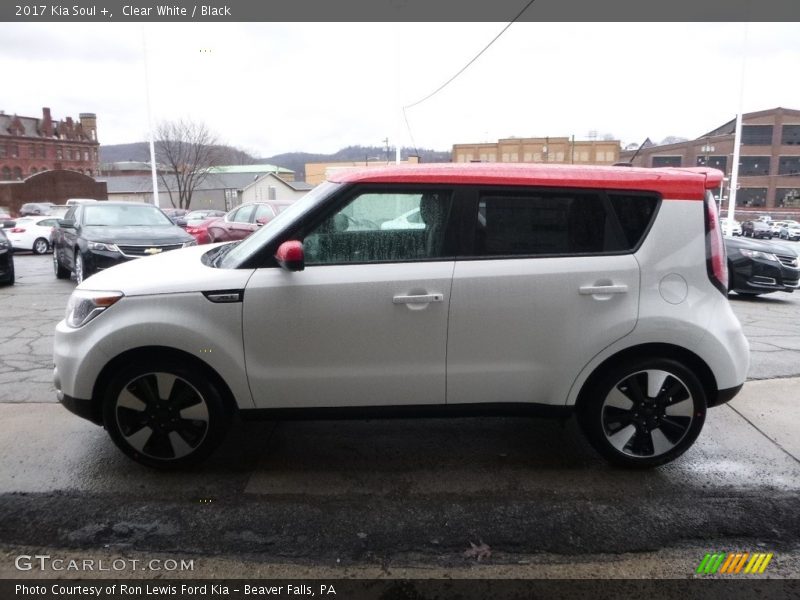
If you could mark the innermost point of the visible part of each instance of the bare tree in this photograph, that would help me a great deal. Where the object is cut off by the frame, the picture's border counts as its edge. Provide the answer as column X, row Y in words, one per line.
column 187, row 150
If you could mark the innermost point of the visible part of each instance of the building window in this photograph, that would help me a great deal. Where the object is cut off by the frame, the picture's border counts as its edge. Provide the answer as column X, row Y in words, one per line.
column 33, row 170
column 42, row 151
column 757, row 135
column 666, row 161
column 31, row 151
column 790, row 135
column 13, row 150
column 59, row 153
column 789, row 165
column 713, row 162
column 17, row 173
column 2, row 150
column 69, row 153
column 754, row 165
column 86, row 155
column 788, row 197
column 751, row 197
column 94, row 155
column 6, row 173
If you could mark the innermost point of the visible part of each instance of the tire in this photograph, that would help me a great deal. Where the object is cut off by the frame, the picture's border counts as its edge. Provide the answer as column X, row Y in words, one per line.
column 81, row 271
column 634, row 427
column 41, row 246
column 10, row 279
column 61, row 272
column 164, row 414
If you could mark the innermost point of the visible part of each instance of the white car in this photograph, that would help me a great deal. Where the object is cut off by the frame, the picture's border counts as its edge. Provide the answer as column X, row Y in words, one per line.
column 532, row 289
column 730, row 228
column 408, row 220
column 33, row 233
column 789, row 230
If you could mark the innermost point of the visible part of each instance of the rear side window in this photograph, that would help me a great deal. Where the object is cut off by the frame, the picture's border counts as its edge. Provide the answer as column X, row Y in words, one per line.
column 557, row 223
column 634, row 213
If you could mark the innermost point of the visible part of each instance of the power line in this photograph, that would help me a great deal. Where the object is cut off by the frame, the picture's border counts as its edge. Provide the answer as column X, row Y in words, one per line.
column 464, row 68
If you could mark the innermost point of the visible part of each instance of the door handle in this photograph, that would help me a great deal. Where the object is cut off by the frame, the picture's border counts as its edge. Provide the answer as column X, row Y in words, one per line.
column 592, row 290
column 422, row 299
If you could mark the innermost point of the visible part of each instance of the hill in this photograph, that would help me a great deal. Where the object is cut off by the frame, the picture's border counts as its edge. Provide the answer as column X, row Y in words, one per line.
column 296, row 161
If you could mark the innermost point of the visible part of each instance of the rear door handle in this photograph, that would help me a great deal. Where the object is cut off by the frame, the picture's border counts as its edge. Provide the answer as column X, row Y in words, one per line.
column 422, row 299
column 592, row 290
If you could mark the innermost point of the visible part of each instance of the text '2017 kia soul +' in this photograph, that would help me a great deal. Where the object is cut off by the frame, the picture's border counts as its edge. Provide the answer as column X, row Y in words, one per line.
column 530, row 289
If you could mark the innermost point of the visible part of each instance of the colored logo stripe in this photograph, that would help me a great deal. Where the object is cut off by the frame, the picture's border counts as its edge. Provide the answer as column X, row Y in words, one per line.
column 733, row 562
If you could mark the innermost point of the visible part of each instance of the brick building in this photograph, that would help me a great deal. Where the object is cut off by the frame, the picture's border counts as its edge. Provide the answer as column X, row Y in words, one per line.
column 769, row 160
column 540, row 150
column 30, row 145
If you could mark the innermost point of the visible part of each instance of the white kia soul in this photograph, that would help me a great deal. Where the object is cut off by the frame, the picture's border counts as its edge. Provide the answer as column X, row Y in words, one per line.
column 530, row 289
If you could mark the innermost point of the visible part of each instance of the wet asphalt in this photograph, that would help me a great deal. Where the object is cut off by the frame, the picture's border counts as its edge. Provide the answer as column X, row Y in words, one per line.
column 394, row 493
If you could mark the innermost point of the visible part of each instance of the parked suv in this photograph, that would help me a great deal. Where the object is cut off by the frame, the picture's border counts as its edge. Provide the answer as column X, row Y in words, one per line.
column 93, row 236
column 531, row 289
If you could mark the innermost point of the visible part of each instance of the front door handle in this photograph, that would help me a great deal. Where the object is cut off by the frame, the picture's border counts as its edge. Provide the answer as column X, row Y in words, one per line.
column 422, row 299
column 592, row 290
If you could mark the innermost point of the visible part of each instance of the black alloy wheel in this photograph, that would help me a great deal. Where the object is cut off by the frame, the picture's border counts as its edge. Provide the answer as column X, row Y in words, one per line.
column 644, row 413
column 164, row 415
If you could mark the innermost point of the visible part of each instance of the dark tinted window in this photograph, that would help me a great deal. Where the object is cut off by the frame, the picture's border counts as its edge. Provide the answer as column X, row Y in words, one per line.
column 790, row 135
column 751, row 197
column 666, row 161
column 789, row 165
column 714, row 162
column 757, row 135
column 545, row 223
column 634, row 213
column 754, row 165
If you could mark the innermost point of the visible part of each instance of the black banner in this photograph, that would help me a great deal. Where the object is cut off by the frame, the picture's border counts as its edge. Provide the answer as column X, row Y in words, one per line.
column 399, row 10
column 390, row 589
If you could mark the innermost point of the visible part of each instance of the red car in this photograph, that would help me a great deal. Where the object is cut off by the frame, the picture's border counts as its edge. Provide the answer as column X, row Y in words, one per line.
column 199, row 229
column 244, row 220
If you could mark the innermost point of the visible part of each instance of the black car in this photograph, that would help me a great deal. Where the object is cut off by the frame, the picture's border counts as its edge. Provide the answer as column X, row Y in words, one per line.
column 757, row 229
column 6, row 260
column 761, row 267
column 95, row 236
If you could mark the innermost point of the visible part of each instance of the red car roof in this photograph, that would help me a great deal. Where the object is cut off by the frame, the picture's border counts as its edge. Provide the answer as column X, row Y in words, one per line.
column 674, row 183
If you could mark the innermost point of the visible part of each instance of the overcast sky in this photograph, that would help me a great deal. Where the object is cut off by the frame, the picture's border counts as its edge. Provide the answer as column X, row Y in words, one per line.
column 272, row 88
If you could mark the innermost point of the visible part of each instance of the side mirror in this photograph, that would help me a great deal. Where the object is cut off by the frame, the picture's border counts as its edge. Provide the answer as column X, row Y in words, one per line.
column 180, row 222
column 262, row 221
column 291, row 256
column 7, row 224
column 66, row 223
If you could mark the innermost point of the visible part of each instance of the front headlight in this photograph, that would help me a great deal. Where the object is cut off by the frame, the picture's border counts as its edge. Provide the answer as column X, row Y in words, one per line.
column 102, row 246
column 190, row 243
column 759, row 254
column 83, row 306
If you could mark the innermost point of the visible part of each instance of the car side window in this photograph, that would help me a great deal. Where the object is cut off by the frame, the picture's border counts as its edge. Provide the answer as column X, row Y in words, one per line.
column 373, row 227
column 263, row 210
column 243, row 214
column 556, row 223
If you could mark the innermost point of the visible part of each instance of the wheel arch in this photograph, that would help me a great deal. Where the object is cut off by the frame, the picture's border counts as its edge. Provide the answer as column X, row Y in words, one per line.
column 158, row 353
column 653, row 350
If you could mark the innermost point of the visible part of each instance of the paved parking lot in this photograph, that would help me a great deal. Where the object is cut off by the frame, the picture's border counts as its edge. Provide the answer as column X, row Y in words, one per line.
column 399, row 494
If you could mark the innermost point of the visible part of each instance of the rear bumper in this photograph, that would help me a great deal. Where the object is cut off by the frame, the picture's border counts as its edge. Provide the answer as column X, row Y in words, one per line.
column 726, row 395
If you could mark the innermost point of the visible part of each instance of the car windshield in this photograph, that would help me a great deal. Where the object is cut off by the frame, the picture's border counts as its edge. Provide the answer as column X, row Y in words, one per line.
column 250, row 245
column 123, row 216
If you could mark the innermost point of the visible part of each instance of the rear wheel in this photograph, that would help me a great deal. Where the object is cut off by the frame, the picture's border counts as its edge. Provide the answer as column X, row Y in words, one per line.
column 164, row 415
column 61, row 272
column 643, row 413
column 40, row 246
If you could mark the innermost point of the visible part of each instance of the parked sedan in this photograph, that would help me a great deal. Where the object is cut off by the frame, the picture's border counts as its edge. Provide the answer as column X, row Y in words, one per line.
column 199, row 229
column 6, row 260
column 757, row 229
column 93, row 237
column 244, row 220
column 33, row 233
column 756, row 268
column 730, row 227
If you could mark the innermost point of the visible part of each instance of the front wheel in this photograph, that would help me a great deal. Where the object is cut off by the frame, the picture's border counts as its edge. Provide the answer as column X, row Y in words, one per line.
column 164, row 414
column 60, row 272
column 643, row 413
